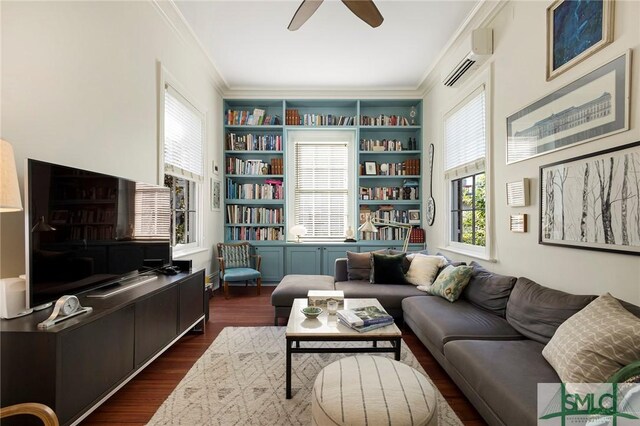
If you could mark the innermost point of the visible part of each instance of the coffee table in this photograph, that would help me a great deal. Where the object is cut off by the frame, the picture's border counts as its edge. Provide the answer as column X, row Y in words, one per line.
column 327, row 328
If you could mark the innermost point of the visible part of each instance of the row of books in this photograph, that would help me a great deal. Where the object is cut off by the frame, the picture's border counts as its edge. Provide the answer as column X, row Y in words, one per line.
column 417, row 236
column 238, row 166
column 385, row 233
column 294, row 118
column 407, row 167
column 381, row 145
column 389, row 193
column 277, row 165
column 262, row 215
column 390, row 214
column 256, row 117
column 364, row 319
column 254, row 233
column 252, row 142
column 384, row 120
column 270, row 190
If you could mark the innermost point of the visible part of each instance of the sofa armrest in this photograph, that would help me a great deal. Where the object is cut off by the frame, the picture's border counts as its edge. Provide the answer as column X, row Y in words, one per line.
column 340, row 273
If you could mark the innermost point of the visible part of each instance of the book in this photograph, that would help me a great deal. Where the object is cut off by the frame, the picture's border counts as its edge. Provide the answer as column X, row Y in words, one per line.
column 365, row 316
column 363, row 329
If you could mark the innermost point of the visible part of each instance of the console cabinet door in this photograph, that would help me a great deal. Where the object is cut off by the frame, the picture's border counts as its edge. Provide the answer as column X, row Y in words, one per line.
column 304, row 260
column 272, row 266
column 156, row 323
column 191, row 300
column 94, row 358
column 330, row 254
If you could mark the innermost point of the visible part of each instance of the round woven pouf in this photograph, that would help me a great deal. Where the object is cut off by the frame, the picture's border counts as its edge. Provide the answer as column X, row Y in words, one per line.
column 372, row 390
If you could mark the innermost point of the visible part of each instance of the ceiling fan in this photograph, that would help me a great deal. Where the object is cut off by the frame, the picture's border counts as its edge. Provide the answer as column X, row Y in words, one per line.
column 363, row 9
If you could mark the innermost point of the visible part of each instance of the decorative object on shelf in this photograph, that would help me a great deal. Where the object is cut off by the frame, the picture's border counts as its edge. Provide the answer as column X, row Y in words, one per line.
column 518, row 223
column 363, row 9
column 370, row 168
column 431, row 203
column 518, row 193
column 13, row 298
column 412, row 114
column 350, row 235
column 593, row 106
column 298, row 231
column 66, row 307
column 215, row 195
column 575, row 31
column 10, row 200
column 414, row 217
column 586, row 202
column 370, row 226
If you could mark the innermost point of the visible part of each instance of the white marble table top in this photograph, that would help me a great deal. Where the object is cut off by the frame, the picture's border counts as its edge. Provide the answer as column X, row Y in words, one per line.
column 326, row 325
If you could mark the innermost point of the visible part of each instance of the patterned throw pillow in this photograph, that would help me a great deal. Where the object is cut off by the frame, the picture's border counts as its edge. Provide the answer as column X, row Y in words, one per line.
column 594, row 343
column 450, row 283
column 236, row 256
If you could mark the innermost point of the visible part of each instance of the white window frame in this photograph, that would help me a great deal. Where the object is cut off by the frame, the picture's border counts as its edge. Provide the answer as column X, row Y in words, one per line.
column 483, row 82
column 167, row 79
column 319, row 135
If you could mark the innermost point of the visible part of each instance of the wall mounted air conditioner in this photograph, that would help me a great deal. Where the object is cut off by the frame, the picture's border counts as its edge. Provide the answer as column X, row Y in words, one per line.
column 474, row 51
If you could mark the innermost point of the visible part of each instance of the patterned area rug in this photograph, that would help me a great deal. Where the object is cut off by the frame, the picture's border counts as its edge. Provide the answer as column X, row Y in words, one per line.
column 240, row 380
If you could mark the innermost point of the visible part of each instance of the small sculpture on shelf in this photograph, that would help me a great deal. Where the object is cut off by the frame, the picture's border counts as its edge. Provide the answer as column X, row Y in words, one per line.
column 349, row 234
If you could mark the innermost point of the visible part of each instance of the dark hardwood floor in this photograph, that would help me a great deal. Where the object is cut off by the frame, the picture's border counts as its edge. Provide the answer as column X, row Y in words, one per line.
column 139, row 399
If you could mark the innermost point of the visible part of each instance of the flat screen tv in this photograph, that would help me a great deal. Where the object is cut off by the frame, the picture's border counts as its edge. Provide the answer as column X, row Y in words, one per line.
column 87, row 230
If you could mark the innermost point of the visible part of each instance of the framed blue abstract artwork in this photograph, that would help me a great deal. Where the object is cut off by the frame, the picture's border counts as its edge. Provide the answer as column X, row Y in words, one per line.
column 575, row 30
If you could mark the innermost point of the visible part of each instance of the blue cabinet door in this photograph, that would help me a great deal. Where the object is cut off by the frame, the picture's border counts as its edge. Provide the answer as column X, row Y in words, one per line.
column 304, row 260
column 330, row 254
column 272, row 267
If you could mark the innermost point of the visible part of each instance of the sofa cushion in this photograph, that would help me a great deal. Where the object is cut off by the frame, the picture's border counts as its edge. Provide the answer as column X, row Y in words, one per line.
column 387, row 268
column 359, row 265
column 423, row 269
column 389, row 295
column 595, row 343
column 450, row 282
column 505, row 374
column 537, row 311
column 441, row 321
column 488, row 290
column 297, row 286
column 407, row 261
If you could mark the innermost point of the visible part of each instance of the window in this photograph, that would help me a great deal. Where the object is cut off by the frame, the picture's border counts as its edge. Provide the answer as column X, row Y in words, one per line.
column 465, row 171
column 183, row 166
column 323, row 181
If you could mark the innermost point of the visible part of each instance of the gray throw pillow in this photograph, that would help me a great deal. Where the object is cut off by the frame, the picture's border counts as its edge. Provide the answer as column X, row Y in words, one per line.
column 359, row 265
column 537, row 311
column 488, row 290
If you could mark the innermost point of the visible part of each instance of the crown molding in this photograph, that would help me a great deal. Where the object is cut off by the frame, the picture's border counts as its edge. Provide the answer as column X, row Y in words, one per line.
column 178, row 24
column 289, row 93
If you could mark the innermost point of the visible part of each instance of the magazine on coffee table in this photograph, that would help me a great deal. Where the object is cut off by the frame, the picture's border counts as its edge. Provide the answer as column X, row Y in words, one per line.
column 363, row 329
column 364, row 316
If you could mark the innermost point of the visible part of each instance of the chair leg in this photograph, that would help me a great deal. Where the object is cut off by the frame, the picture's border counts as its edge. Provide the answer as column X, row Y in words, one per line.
column 226, row 290
column 259, row 284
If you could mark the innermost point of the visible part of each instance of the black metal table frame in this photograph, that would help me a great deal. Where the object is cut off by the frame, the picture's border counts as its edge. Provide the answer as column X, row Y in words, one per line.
column 394, row 340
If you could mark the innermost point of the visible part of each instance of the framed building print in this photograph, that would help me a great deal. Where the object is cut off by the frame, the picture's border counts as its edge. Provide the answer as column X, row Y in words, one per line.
column 593, row 106
column 593, row 201
column 215, row 194
column 576, row 29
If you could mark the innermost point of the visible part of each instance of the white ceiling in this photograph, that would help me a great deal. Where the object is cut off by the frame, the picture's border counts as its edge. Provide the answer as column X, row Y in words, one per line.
column 250, row 45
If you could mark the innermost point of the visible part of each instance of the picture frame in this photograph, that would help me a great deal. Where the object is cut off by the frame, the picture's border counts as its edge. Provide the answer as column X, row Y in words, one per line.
column 592, row 20
column 370, row 168
column 215, row 194
column 414, row 217
column 591, row 107
column 518, row 193
column 590, row 202
column 518, row 223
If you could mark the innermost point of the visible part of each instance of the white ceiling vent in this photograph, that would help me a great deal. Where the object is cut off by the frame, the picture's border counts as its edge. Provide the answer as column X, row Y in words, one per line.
column 474, row 51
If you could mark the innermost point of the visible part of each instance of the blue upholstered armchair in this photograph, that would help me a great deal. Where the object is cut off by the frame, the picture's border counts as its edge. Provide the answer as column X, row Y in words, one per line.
column 236, row 266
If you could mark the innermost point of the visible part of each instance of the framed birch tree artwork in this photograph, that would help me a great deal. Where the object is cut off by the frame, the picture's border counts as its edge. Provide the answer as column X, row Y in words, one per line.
column 593, row 202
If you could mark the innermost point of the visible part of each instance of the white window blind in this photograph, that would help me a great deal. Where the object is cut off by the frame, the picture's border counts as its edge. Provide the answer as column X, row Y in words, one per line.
column 152, row 212
column 183, row 137
column 465, row 136
column 321, row 191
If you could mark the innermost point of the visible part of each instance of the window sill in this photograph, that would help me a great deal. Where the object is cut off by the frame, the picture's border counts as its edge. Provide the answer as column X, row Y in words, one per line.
column 188, row 252
column 472, row 254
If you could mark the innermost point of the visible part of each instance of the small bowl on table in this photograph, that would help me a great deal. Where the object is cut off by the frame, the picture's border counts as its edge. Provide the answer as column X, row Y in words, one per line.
column 311, row 311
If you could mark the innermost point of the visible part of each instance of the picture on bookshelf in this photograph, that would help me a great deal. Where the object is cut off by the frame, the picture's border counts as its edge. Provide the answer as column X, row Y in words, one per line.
column 215, row 195
column 414, row 217
column 370, row 168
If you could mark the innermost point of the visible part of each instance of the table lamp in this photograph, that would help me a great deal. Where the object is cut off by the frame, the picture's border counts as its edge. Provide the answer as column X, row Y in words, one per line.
column 298, row 231
column 10, row 200
column 370, row 226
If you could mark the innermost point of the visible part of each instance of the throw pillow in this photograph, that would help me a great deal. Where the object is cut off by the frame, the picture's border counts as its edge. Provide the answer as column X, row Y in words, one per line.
column 423, row 269
column 488, row 290
column 359, row 265
column 594, row 343
column 450, row 282
column 387, row 268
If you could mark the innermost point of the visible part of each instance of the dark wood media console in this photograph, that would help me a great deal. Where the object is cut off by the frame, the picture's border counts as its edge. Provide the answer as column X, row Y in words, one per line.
column 76, row 365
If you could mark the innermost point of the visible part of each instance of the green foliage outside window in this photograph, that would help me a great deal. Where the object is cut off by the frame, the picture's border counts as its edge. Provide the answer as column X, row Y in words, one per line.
column 474, row 223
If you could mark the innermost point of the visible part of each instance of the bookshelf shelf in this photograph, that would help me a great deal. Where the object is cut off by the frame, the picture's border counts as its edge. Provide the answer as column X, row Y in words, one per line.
column 257, row 201
column 254, row 127
column 391, row 177
column 252, row 152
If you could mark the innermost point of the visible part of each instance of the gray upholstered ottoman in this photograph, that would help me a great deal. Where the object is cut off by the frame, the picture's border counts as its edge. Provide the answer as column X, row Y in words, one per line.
column 296, row 286
column 372, row 390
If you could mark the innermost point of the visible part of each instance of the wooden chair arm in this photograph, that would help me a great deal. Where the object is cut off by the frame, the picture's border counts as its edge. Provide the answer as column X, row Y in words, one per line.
column 41, row 411
column 258, row 261
column 221, row 263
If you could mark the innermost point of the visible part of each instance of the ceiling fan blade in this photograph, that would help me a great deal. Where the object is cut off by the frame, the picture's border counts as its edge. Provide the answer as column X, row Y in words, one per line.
column 304, row 12
column 365, row 10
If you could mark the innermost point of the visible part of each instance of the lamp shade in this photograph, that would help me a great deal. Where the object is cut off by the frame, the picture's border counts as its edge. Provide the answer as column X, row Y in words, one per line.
column 368, row 226
column 298, row 231
column 10, row 200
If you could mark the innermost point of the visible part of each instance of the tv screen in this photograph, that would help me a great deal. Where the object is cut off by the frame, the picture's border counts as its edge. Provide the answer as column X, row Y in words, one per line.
column 88, row 230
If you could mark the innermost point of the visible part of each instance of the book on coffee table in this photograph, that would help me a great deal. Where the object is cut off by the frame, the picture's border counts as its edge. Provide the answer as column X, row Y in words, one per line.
column 364, row 316
column 364, row 328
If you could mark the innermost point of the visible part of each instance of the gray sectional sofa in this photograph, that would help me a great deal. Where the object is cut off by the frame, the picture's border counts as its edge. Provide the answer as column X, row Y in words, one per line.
column 489, row 341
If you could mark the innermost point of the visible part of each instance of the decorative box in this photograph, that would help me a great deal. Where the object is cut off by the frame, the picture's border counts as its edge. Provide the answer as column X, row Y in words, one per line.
column 320, row 297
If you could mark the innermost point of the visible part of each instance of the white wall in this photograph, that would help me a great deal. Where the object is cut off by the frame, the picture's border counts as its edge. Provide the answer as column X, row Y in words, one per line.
column 518, row 79
column 80, row 88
